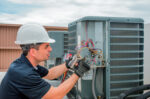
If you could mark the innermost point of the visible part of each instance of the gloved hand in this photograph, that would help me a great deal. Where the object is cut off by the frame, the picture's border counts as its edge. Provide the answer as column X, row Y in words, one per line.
column 82, row 68
column 71, row 62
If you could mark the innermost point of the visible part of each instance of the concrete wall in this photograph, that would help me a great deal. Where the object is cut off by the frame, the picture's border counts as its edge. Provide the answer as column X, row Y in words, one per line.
column 2, row 74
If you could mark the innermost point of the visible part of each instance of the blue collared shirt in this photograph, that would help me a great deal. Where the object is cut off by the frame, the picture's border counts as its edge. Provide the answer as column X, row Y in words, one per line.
column 23, row 81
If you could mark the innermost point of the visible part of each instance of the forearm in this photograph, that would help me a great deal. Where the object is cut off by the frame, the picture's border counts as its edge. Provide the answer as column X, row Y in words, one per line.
column 60, row 91
column 67, row 85
column 56, row 71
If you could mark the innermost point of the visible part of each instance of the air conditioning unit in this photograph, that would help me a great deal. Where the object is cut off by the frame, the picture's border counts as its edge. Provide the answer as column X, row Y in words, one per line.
column 59, row 48
column 117, row 63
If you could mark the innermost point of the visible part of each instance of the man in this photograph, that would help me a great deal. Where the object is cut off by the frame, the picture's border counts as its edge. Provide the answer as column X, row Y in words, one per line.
column 23, row 79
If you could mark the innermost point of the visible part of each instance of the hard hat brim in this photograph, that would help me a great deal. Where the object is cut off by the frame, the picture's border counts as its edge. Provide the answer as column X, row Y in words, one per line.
column 52, row 41
column 31, row 42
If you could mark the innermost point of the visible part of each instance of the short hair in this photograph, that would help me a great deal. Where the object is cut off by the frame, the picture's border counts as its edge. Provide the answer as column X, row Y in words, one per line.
column 26, row 48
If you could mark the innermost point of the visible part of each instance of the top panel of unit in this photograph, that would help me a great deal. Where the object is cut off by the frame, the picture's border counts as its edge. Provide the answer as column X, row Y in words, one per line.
column 111, row 19
column 64, row 32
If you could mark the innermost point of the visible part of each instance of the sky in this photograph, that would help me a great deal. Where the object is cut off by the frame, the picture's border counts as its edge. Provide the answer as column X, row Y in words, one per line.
column 63, row 12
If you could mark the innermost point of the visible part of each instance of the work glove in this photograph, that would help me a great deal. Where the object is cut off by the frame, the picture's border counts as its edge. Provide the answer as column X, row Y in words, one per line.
column 82, row 68
column 70, row 63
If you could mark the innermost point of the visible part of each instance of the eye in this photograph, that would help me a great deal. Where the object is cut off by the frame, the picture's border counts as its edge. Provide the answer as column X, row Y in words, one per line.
column 46, row 46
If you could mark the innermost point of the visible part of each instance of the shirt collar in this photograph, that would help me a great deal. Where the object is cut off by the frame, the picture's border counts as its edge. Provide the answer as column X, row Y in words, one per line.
column 27, row 61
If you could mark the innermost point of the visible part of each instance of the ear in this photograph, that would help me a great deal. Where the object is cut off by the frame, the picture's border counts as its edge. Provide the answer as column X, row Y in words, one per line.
column 33, row 52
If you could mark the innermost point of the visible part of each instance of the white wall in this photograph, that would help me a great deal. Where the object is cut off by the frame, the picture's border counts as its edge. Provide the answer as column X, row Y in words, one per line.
column 2, row 75
column 147, row 54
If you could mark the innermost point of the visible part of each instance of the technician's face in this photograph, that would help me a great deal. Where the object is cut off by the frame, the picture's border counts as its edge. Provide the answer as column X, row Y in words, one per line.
column 43, row 52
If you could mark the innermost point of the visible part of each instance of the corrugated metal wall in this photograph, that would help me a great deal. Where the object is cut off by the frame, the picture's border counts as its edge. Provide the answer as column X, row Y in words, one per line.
column 9, row 51
column 7, row 56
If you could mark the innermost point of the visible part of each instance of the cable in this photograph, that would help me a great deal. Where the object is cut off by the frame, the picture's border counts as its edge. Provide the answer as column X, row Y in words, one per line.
column 133, row 90
column 144, row 96
column 65, row 74
column 93, row 83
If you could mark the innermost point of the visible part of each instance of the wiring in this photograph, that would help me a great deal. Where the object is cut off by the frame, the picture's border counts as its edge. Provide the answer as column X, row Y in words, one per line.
column 92, row 50
column 86, row 49
column 65, row 74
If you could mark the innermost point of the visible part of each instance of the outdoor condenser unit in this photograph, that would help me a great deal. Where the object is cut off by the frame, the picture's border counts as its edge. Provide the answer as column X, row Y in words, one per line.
column 59, row 48
column 117, row 64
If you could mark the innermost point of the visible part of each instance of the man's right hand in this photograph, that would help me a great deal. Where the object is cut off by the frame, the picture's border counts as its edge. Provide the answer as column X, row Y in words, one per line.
column 70, row 63
column 82, row 68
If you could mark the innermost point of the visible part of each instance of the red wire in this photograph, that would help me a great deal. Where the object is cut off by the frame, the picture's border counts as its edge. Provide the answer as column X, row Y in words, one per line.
column 65, row 74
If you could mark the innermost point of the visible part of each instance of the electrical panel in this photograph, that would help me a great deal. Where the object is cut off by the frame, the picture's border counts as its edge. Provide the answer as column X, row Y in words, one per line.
column 114, row 48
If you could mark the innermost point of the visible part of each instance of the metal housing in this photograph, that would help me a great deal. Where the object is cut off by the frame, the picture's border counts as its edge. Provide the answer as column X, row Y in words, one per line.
column 122, row 42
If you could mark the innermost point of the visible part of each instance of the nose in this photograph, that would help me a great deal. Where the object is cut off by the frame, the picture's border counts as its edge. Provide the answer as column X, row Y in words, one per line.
column 49, row 48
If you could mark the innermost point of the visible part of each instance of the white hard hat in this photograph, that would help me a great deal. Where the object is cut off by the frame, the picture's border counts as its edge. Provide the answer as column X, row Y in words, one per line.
column 32, row 33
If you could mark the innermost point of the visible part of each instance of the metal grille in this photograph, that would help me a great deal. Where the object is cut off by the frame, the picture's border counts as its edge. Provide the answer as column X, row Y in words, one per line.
column 72, row 39
column 126, row 57
column 66, row 42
